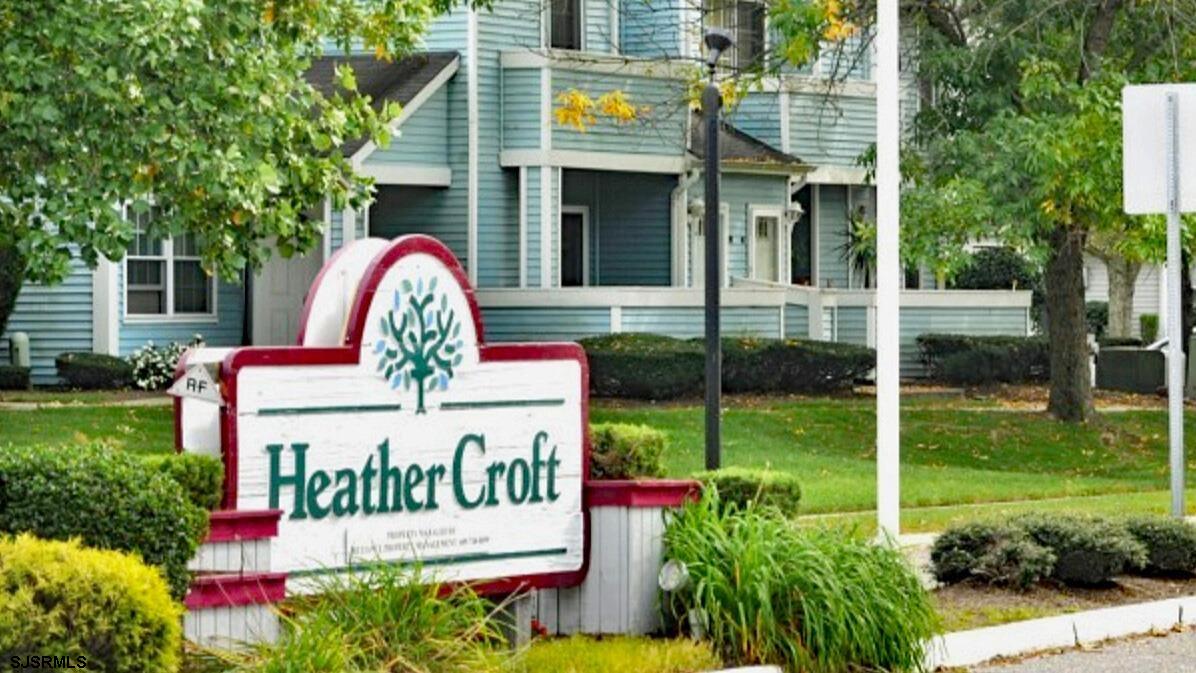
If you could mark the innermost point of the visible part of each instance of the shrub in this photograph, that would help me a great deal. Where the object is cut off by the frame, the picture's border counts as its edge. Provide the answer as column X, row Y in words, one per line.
column 752, row 365
column 93, row 371
column 14, row 378
column 201, row 477
column 644, row 366
column 389, row 618
column 956, row 553
column 765, row 592
column 12, row 276
column 106, row 498
column 992, row 553
column 1148, row 323
column 1015, row 561
column 766, row 488
column 1003, row 359
column 1096, row 314
column 625, row 451
column 66, row 600
column 618, row 654
column 1120, row 342
column 1087, row 550
column 1170, row 544
column 153, row 367
column 996, row 269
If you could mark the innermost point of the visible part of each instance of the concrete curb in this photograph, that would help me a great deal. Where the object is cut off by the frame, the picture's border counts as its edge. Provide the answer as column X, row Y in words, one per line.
column 967, row 648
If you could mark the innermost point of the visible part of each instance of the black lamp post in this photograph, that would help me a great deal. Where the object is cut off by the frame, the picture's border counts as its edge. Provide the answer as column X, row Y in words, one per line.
column 717, row 41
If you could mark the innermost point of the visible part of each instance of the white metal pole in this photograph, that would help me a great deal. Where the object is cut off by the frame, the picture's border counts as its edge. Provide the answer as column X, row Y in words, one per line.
column 1175, row 332
column 888, row 271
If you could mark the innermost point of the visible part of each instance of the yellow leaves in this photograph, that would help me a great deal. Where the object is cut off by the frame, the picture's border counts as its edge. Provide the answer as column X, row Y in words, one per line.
column 837, row 28
column 577, row 109
column 268, row 14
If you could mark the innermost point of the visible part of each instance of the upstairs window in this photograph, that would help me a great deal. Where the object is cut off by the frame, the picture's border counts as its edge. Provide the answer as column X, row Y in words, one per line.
column 745, row 20
column 565, row 24
column 164, row 276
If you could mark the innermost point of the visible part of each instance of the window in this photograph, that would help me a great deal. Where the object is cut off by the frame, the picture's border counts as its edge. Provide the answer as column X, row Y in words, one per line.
column 565, row 24
column 164, row 276
column 745, row 20
column 575, row 263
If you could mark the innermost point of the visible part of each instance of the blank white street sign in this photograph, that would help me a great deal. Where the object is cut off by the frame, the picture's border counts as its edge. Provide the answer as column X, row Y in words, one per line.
column 1144, row 132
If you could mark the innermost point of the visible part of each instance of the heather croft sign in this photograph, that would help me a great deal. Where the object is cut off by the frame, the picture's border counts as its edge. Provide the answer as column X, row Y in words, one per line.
column 405, row 438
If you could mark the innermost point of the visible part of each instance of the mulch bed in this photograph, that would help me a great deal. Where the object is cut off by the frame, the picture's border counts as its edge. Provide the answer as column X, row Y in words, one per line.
column 972, row 605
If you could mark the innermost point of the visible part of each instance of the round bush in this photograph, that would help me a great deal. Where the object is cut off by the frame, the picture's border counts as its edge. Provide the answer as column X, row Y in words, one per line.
column 201, row 477
column 625, row 451
column 96, row 609
column 957, row 552
column 1015, row 561
column 1088, row 551
column 743, row 487
column 1170, row 544
column 107, row 499
column 996, row 269
column 93, row 371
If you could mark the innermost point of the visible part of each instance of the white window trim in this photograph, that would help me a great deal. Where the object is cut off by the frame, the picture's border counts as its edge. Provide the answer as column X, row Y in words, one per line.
column 170, row 316
column 699, row 256
column 754, row 212
column 584, row 211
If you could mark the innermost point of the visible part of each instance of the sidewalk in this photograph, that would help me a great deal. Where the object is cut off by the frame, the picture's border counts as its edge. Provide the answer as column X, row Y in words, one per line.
column 1174, row 653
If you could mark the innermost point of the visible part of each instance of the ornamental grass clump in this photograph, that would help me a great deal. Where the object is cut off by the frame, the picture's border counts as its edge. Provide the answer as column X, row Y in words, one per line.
column 383, row 618
column 765, row 592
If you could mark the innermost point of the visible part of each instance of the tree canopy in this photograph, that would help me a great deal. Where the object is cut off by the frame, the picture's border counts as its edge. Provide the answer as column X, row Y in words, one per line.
column 198, row 108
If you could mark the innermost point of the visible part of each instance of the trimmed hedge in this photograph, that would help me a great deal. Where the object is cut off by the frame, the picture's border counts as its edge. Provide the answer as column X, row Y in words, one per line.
column 1121, row 342
column 201, row 477
column 744, row 487
column 974, row 360
column 1088, row 551
column 1170, row 544
column 99, row 609
column 13, row 377
column 94, row 371
column 625, row 451
column 106, row 498
column 648, row 366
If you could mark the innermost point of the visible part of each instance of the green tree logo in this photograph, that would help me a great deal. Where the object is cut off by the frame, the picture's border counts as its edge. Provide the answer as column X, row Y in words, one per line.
column 420, row 342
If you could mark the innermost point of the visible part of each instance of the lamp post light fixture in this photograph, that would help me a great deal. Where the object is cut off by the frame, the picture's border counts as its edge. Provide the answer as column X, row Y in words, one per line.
column 717, row 41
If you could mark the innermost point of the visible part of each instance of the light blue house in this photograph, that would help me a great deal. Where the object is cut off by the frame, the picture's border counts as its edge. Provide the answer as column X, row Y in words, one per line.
column 568, row 233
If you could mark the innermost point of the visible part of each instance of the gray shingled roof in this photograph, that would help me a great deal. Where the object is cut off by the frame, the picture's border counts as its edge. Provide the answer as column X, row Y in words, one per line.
column 383, row 81
column 738, row 148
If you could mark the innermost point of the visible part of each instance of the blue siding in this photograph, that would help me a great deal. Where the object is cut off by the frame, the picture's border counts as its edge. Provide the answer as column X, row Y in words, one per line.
column 544, row 324
column 659, row 130
column 832, row 131
column 336, row 232
column 521, row 108
column 853, row 325
column 739, row 191
column 650, row 28
column 797, row 321
column 597, row 25
column 401, row 210
column 689, row 322
column 832, row 235
column 57, row 319
column 423, row 137
column 759, row 115
column 533, row 226
column 630, row 231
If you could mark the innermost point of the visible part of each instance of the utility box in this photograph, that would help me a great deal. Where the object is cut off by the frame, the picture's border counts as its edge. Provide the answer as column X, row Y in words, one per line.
column 18, row 349
column 1134, row 370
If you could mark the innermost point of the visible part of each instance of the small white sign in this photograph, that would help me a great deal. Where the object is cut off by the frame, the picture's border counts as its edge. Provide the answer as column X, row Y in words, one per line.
column 1144, row 137
column 197, row 383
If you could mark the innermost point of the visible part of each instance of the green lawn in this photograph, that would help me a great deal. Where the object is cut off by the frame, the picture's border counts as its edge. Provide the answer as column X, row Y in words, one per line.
column 953, row 452
column 961, row 458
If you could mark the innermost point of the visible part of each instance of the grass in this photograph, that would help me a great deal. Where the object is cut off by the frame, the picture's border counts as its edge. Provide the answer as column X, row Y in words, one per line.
column 581, row 654
column 139, row 429
column 952, row 453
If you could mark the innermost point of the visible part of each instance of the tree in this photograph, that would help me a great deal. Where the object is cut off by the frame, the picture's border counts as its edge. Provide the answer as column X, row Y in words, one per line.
column 1026, row 119
column 424, row 347
column 199, row 108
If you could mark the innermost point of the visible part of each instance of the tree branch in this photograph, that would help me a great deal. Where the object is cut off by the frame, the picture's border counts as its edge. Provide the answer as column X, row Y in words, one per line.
column 1096, row 38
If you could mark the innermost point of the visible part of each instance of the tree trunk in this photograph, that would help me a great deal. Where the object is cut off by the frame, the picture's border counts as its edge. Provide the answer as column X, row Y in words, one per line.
column 1071, row 384
column 1122, row 276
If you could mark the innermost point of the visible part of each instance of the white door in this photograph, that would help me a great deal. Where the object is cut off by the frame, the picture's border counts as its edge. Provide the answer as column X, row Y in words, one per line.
column 767, row 227
column 697, row 253
column 278, row 293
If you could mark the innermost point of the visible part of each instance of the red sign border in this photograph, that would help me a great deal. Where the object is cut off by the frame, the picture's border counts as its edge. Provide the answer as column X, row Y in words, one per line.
column 350, row 354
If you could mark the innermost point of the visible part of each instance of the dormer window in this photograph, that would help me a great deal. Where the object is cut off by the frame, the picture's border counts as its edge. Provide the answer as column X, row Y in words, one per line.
column 745, row 20
column 565, row 25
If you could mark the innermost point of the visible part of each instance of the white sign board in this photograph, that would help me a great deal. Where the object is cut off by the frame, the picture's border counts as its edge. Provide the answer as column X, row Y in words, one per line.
column 414, row 440
column 1144, row 129
column 197, row 383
